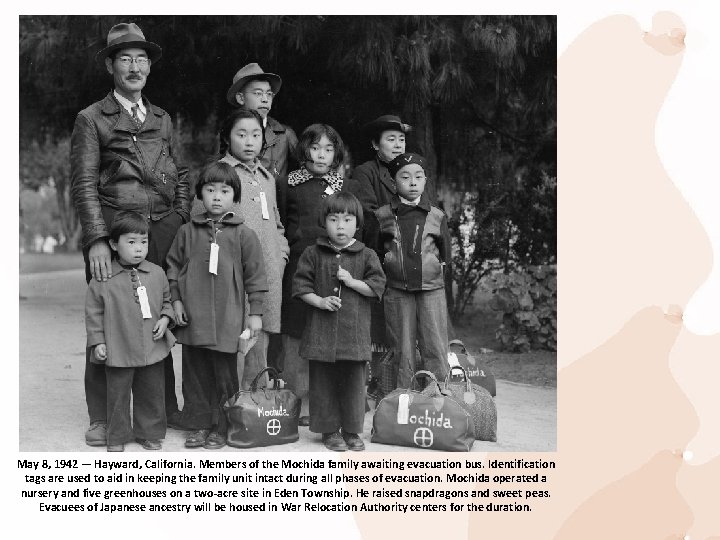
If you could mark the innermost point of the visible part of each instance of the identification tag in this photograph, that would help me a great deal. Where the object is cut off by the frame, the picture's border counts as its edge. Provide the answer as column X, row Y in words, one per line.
column 403, row 412
column 264, row 206
column 329, row 190
column 214, row 252
column 144, row 304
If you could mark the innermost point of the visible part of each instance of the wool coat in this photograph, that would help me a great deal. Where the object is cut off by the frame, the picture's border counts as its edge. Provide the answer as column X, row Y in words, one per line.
column 299, row 210
column 113, row 316
column 344, row 334
column 215, row 304
column 255, row 179
column 280, row 144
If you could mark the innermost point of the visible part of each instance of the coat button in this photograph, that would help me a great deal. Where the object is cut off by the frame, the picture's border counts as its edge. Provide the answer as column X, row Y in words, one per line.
column 337, row 256
column 335, row 289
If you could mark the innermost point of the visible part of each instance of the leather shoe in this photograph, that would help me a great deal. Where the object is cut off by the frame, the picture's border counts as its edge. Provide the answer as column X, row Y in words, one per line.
column 304, row 421
column 197, row 438
column 353, row 441
column 333, row 441
column 115, row 447
column 149, row 444
column 96, row 435
column 214, row 441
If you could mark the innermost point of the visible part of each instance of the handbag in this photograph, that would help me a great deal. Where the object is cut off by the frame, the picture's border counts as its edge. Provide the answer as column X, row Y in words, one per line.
column 477, row 371
column 429, row 419
column 262, row 416
column 477, row 401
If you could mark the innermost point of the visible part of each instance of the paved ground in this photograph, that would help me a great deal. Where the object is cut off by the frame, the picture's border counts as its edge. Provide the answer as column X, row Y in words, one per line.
column 53, row 416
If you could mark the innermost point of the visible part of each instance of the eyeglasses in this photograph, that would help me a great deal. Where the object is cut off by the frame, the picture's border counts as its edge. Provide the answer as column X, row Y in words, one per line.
column 259, row 94
column 140, row 61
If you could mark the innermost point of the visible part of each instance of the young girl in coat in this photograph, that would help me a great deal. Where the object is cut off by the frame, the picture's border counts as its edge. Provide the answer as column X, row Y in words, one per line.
column 241, row 141
column 338, row 277
column 214, row 261
column 127, row 317
column 321, row 151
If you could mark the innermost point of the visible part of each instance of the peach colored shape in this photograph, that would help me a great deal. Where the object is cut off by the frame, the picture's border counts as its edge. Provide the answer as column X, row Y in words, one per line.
column 700, row 486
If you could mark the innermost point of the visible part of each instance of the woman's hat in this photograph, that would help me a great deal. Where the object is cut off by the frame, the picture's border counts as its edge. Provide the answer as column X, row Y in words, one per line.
column 405, row 159
column 127, row 36
column 252, row 72
column 385, row 123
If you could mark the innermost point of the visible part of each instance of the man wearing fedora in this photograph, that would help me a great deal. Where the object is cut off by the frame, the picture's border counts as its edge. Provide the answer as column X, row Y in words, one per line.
column 122, row 158
column 253, row 89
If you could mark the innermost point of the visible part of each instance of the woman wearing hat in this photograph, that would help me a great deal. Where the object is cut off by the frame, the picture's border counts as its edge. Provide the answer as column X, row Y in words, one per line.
column 375, row 186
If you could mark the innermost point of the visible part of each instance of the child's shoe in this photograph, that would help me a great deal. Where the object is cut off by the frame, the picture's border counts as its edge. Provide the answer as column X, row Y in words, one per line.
column 197, row 438
column 96, row 435
column 334, row 442
column 148, row 444
column 115, row 447
column 214, row 441
column 353, row 442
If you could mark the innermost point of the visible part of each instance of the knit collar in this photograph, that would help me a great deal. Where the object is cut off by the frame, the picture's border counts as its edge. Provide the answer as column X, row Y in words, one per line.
column 229, row 218
column 302, row 175
column 324, row 241
column 254, row 168
column 117, row 268
column 424, row 202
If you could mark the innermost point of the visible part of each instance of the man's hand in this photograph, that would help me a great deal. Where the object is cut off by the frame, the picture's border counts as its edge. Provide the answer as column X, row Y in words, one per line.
column 100, row 352
column 160, row 327
column 100, row 261
column 181, row 318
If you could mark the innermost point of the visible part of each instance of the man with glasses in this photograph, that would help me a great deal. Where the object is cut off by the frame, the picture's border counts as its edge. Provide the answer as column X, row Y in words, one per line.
column 122, row 158
column 254, row 90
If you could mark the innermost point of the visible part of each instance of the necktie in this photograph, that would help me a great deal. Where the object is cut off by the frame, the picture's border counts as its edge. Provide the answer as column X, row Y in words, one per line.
column 135, row 108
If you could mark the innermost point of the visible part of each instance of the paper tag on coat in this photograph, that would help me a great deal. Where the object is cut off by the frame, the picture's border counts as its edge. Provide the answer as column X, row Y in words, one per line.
column 403, row 412
column 453, row 360
column 264, row 206
column 214, row 253
column 144, row 304
column 329, row 190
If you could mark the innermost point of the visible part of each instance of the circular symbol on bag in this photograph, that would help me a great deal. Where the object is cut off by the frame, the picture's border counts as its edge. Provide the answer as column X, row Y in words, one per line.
column 423, row 437
column 273, row 426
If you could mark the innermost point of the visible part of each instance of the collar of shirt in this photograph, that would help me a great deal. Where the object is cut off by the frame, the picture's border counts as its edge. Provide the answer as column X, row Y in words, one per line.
column 410, row 203
column 127, row 105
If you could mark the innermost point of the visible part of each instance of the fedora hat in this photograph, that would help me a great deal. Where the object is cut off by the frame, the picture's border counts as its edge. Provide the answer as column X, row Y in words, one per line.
column 251, row 72
column 127, row 36
column 384, row 123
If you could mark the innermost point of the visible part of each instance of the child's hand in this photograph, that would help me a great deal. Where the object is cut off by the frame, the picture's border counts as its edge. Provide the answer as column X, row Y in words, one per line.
column 330, row 303
column 160, row 327
column 180, row 315
column 254, row 325
column 100, row 352
column 344, row 276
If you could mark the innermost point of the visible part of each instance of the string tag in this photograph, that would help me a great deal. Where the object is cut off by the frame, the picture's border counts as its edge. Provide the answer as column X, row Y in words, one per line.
column 329, row 190
column 264, row 205
column 214, row 253
column 144, row 304
column 403, row 412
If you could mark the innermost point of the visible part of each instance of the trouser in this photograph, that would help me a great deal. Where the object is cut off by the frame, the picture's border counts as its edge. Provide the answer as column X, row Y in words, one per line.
column 296, row 372
column 209, row 379
column 162, row 234
column 338, row 396
column 417, row 316
column 148, row 414
column 252, row 363
column 275, row 352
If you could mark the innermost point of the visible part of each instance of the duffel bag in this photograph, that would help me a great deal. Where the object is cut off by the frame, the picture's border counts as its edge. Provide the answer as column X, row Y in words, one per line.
column 477, row 401
column 428, row 419
column 477, row 371
column 262, row 416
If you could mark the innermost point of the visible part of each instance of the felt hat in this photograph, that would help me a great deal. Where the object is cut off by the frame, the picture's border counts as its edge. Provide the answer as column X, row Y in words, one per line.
column 127, row 36
column 405, row 159
column 251, row 72
column 385, row 123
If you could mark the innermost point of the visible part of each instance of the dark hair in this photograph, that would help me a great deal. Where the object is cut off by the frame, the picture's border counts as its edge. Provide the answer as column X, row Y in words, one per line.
column 229, row 123
column 221, row 172
column 312, row 135
column 341, row 202
column 126, row 222
column 375, row 138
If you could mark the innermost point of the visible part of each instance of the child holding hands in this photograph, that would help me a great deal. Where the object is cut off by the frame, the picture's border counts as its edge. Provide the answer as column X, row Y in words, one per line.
column 214, row 261
column 126, row 318
column 338, row 277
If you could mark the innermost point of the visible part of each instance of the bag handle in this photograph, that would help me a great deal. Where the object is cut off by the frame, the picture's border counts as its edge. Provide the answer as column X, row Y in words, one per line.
column 272, row 374
column 430, row 375
column 466, row 379
column 457, row 342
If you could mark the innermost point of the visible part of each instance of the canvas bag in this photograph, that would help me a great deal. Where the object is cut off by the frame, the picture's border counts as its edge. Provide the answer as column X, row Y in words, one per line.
column 429, row 419
column 477, row 401
column 477, row 371
column 262, row 416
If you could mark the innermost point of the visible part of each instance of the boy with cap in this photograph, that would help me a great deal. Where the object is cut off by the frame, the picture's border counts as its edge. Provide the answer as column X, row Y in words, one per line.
column 416, row 250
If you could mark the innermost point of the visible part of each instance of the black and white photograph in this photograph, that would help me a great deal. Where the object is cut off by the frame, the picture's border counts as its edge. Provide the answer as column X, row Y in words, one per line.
column 287, row 233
